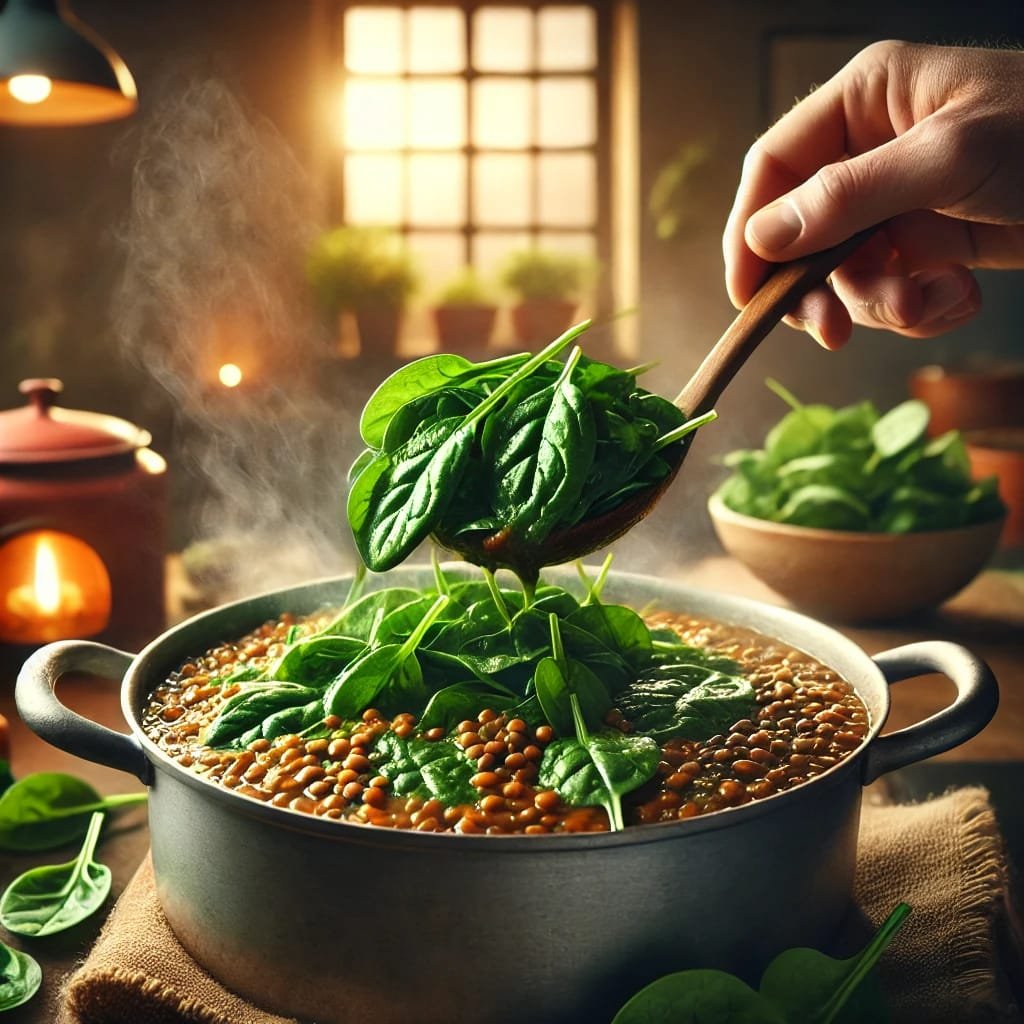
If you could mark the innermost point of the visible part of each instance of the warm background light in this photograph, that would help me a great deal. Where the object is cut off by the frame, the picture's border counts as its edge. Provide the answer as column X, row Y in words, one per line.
column 46, row 583
column 30, row 88
column 230, row 375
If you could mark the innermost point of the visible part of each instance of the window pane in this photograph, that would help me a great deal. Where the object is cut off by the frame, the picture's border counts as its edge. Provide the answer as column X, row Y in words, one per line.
column 501, row 189
column 439, row 257
column 582, row 243
column 374, row 114
column 437, row 113
column 437, row 189
column 491, row 249
column 373, row 40
column 437, row 39
column 501, row 113
column 566, row 189
column 567, row 112
column 567, row 38
column 503, row 39
column 373, row 189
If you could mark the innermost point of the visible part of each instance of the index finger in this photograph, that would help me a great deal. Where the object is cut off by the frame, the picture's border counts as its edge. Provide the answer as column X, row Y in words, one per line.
column 822, row 128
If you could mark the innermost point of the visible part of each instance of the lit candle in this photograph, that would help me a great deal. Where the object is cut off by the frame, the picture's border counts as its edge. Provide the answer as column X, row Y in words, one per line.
column 48, row 608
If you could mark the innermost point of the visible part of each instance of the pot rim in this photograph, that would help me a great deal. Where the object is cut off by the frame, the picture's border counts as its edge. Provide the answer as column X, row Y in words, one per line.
column 150, row 666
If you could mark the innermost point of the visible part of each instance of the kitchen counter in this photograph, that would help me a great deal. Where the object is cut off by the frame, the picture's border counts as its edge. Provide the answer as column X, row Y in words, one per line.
column 987, row 617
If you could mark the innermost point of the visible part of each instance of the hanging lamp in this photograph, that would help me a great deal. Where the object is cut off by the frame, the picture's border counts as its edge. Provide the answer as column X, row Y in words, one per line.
column 54, row 70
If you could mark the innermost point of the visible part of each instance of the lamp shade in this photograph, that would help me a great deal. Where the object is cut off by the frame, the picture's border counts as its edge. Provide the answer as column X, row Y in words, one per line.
column 54, row 70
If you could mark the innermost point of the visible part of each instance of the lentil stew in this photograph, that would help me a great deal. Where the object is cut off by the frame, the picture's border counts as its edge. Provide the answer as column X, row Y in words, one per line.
column 803, row 719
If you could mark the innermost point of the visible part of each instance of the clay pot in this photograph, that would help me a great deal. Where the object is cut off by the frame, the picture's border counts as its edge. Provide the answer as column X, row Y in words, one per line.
column 538, row 321
column 963, row 399
column 1000, row 452
column 464, row 328
column 379, row 328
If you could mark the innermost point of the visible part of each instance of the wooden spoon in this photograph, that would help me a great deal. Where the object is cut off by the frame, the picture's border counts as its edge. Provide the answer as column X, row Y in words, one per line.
column 778, row 296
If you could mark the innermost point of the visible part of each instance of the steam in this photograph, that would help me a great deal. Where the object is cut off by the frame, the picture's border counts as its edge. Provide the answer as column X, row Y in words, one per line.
column 215, row 244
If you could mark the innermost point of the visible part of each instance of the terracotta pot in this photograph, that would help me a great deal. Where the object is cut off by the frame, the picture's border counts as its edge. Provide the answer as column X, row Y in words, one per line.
column 1000, row 453
column 539, row 321
column 378, row 331
column 970, row 398
column 464, row 328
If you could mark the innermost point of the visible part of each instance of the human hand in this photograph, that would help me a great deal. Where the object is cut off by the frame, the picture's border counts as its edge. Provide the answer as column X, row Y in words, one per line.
column 928, row 140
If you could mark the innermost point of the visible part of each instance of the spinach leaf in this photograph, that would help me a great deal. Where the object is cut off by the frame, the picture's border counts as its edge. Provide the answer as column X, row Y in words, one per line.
column 48, row 809
column 800, row 986
column 355, row 620
column 559, row 679
column 399, row 498
column 53, row 898
column 388, row 677
column 452, row 704
column 619, row 628
column 686, row 700
column 825, row 507
column 317, row 660
column 598, row 768
column 20, row 977
column 427, row 768
column 699, row 997
column 254, row 705
column 900, row 427
column 542, row 457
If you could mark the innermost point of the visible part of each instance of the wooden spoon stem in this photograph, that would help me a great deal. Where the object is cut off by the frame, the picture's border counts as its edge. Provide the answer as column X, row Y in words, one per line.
column 777, row 297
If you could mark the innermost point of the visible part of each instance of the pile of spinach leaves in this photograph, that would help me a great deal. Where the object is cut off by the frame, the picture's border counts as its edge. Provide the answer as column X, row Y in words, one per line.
column 524, row 444
column 853, row 469
column 447, row 652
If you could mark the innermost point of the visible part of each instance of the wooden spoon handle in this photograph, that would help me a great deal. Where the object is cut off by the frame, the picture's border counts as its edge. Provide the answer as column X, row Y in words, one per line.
column 779, row 295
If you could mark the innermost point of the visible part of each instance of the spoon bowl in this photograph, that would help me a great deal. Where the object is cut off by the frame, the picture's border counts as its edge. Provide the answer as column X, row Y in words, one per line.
column 787, row 284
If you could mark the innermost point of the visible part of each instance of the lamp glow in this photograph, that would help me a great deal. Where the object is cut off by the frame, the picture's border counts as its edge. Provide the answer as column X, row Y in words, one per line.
column 230, row 375
column 46, row 584
column 30, row 88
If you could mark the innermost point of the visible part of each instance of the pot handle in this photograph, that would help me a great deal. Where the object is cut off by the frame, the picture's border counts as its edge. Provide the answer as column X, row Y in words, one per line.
column 48, row 718
column 977, row 696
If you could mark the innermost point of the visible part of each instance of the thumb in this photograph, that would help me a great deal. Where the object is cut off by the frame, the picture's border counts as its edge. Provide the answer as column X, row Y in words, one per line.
column 910, row 172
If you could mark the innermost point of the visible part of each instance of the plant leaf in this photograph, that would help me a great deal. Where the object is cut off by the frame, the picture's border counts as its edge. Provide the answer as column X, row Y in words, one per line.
column 699, row 997
column 55, row 897
column 20, row 977
column 427, row 768
column 900, row 427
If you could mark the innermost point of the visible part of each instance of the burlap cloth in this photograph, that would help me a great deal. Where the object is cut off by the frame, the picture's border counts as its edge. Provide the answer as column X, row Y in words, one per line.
column 943, row 857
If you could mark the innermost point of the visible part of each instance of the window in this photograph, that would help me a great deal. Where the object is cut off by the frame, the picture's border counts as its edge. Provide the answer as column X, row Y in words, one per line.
column 475, row 130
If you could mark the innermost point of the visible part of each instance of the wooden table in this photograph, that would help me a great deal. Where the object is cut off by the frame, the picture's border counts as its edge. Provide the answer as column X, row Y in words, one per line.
column 987, row 617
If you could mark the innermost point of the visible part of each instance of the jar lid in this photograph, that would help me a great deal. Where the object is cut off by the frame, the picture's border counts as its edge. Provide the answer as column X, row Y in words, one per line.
column 44, row 432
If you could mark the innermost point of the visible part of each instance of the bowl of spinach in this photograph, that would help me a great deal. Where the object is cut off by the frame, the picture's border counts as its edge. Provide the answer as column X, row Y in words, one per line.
column 856, row 515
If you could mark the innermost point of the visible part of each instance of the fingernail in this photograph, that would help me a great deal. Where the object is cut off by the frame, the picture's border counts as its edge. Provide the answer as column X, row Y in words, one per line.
column 812, row 329
column 966, row 308
column 942, row 292
column 776, row 226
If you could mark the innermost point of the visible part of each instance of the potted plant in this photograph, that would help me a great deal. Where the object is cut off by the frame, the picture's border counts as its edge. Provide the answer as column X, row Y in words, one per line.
column 465, row 313
column 547, row 287
column 366, row 272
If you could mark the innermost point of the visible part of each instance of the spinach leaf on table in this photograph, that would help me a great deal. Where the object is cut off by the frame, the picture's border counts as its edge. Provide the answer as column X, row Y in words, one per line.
column 55, row 897
column 800, row 986
column 48, row 809
column 20, row 977
column 598, row 769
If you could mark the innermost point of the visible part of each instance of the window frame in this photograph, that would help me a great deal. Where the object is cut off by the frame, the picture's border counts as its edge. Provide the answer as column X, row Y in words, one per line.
column 602, row 227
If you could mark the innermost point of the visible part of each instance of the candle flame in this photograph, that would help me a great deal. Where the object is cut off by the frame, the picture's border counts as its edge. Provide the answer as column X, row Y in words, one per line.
column 30, row 88
column 46, row 586
column 230, row 375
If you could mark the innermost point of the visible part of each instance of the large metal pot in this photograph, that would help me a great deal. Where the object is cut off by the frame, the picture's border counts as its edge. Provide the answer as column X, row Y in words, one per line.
column 345, row 923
